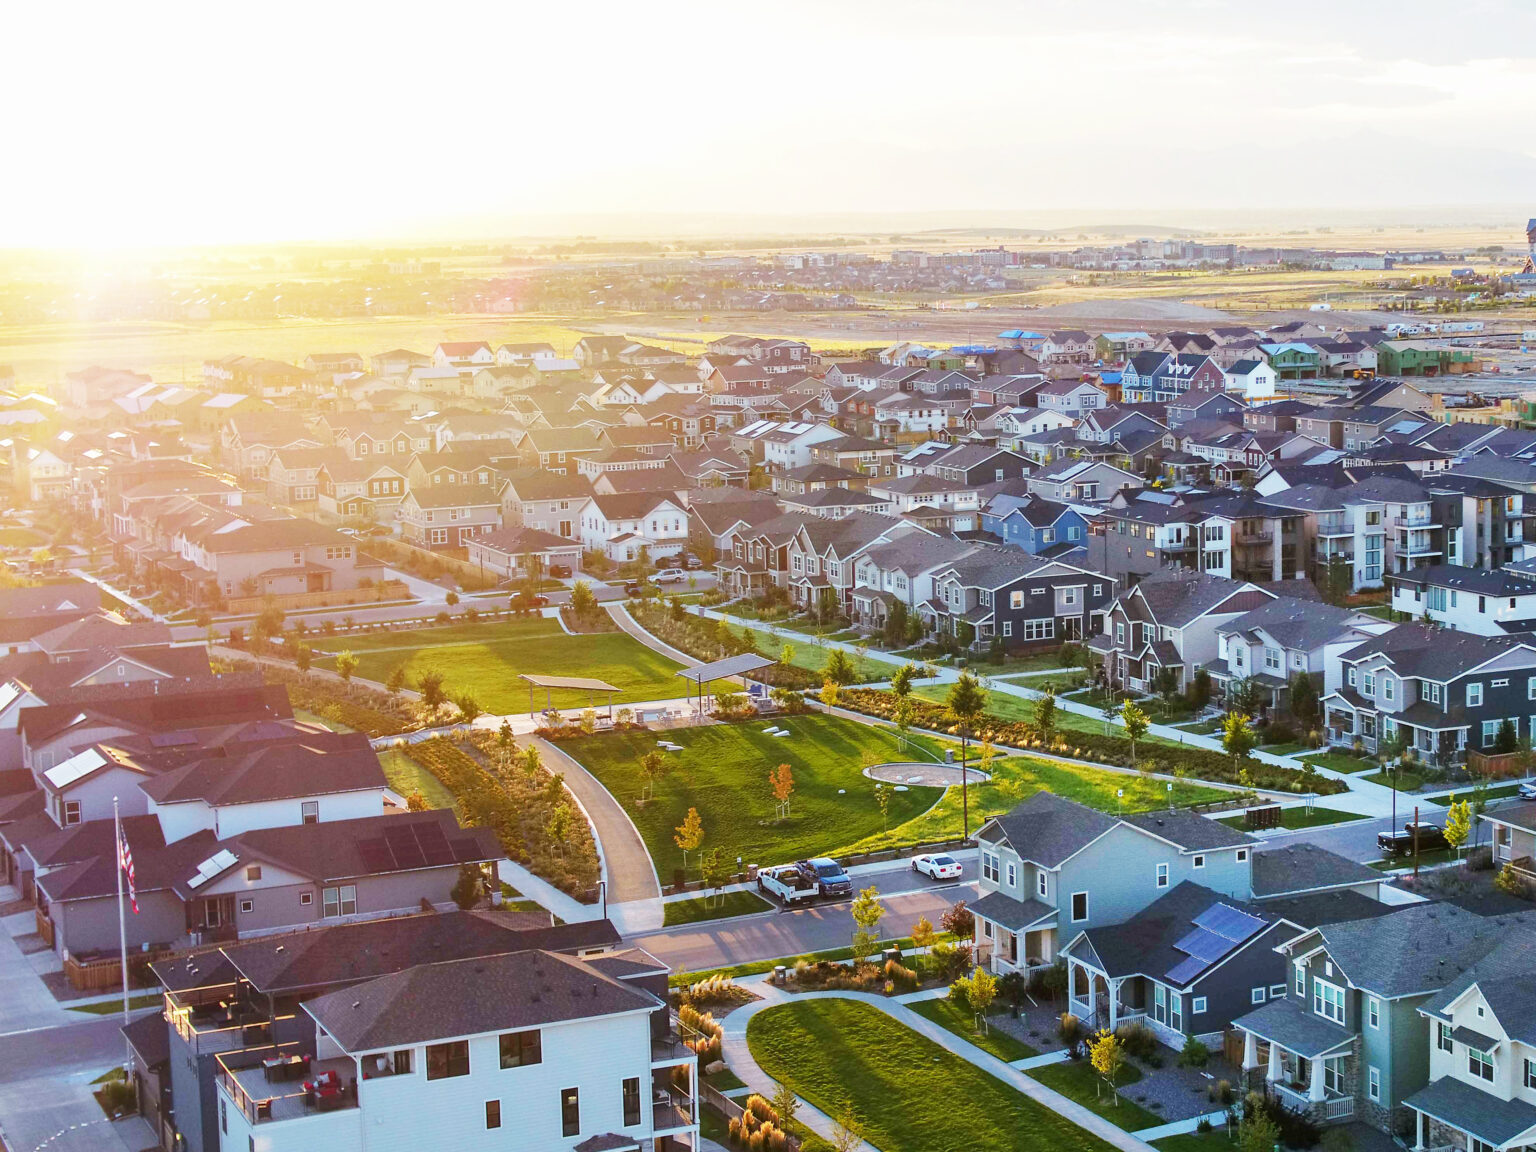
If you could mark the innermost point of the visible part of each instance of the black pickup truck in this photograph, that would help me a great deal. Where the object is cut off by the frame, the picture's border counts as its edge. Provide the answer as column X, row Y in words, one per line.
column 827, row 874
column 1399, row 841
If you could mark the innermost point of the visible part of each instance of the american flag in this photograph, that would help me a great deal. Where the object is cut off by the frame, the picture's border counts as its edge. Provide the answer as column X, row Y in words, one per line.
column 125, row 861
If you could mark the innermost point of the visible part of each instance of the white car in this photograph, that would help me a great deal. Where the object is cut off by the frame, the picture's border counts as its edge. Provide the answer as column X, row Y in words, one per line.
column 940, row 867
column 1527, row 791
column 670, row 576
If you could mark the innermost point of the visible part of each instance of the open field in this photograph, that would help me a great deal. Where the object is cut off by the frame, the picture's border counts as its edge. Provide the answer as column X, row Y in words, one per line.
column 910, row 1094
column 723, row 772
column 962, row 1023
column 486, row 659
column 1006, row 707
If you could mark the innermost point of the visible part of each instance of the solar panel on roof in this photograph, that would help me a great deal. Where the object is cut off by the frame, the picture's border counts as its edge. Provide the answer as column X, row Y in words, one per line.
column 1185, row 971
column 403, row 846
column 1229, row 922
column 434, row 845
column 1206, row 945
column 376, row 857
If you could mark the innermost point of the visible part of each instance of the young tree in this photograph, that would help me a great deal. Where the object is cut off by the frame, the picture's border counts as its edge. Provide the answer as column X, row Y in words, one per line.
column 415, row 802
column 1258, row 1132
column 787, row 655
column 1199, row 690
column 883, row 802
column 1045, row 716
column 1107, row 1055
column 1304, row 705
column 1338, row 582
column 828, row 694
column 782, row 781
column 396, row 679
column 861, row 657
column 901, row 681
column 469, row 707
column 1507, row 739
column 303, row 657
column 451, row 599
column 838, row 668
column 429, row 683
column 689, row 834
column 1458, row 823
column 904, row 707
column 1136, row 724
column 714, row 871
column 1238, row 736
column 981, row 993
column 785, row 1104
column 653, row 766
column 583, row 602
column 848, row 1132
column 867, row 914
column 531, row 764
column 965, row 702
column 895, row 630
column 923, row 935
column 558, row 826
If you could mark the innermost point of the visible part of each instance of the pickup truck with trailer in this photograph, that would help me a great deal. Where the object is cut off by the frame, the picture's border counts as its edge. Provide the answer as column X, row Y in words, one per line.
column 827, row 874
column 785, row 884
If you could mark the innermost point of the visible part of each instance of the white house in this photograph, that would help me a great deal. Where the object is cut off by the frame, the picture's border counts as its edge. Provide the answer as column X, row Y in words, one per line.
column 623, row 525
column 1254, row 380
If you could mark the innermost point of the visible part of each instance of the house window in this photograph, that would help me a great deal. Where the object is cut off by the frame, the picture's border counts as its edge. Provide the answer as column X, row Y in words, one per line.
column 1162, row 875
column 1120, row 635
column 1368, row 683
column 1013, row 875
column 71, row 813
column 1373, row 1011
column 340, row 901
column 520, row 1049
column 1198, row 1007
column 493, row 1113
column 1276, row 991
column 1272, row 658
column 448, row 1060
column 1079, row 907
column 1301, row 980
column 1258, row 995
column 1474, row 695
column 570, row 1112
column 247, row 905
column 306, row 899
column 1375, row 1083
column 1530, row 1073
column 1388, row 689
column 1480, row 1064
column 1007, row 627
column 1040, row 883
column 1242, row 855
column 631, row 1101
column 1490, row 732
column 403, row 1061
column 1199, row 861
column 310, row 811
column 1328, row 1001
column 989, row 866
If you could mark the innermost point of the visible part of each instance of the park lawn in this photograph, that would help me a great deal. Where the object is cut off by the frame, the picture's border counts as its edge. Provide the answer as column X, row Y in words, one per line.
column 1201, row 727
column 1059, row 682
column 1340, row 762
column 17, row 537
column 910, row 1094
column 1297, row 818
column 1016, row 778
column 1400, row 780
column 807, row 655
column 1284, row 749
column 723, row 772
column 405, row 776
column 945, row 1014
column 702, row 908
column 1211, row 1141
column 486, row 659
column 1005, row 706
column 1077, row 1081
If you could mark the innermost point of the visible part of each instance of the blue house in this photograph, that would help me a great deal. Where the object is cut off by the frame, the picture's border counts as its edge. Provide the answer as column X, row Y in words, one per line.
column 1033, row 523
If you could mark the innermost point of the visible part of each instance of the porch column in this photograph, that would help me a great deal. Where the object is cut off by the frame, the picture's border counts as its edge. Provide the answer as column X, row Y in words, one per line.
column 1250, row 1051
column 1114, row 1003
column 1093, row 997
column 1274, row 1072
column 1315, row 1091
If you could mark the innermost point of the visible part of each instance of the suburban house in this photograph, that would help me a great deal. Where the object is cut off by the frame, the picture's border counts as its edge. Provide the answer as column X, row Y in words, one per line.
column 557, row 449
column 1284, row 638
column 549, row 501
column 1081, row 481
column 1033, row 523
column 623, row 526
column 1500, row 602
column 1000, row 594
column 366, row 489
column 1071, row 397
column 446, row 516
column 507, row 552
column 901, row 570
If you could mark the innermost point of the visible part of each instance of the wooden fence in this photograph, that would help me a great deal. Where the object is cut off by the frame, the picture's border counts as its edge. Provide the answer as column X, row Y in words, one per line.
column 1496, row 765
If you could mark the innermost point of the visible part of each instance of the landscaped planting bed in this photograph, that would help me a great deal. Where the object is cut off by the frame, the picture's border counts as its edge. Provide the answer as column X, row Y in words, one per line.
column 356, row 706
column 1199, row 763
column 910, row 1094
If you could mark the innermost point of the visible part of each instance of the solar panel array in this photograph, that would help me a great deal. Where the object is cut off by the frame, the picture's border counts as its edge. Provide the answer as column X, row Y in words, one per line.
column 211, row 867
column 1217, row 932
column 414, row 844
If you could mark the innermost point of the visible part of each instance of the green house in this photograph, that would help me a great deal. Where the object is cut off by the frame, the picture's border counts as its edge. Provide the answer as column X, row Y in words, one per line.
column 1293, row 361
column 1397, row 359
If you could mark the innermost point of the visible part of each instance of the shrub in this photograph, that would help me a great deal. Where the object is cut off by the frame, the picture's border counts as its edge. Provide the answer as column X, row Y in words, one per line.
column 951, row 961
column 1195, row 1054
column 1137, row 1039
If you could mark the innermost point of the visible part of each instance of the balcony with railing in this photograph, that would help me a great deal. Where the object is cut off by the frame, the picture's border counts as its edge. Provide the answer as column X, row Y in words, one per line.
column 1333, row 1106
column 282, row 1082
column 671, row 1112
column 677, row 1045
column 220, row 1019
column 1334, row 525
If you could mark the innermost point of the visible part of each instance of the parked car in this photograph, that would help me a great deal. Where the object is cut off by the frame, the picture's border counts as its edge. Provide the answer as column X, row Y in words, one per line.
column 670, row 576
column 536, row 601
column 1527, row 791
column 560, row 571
column 691, row 562
column 787, row 884
column 938, row 867
column 632, row 587
column 827, row 874
column 1400, row 841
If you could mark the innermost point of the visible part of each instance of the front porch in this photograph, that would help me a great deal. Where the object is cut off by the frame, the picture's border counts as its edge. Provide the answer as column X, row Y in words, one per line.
column 1451, row 1115
column 1014, row 935
column 1310, row 1063
column 1103, row 1001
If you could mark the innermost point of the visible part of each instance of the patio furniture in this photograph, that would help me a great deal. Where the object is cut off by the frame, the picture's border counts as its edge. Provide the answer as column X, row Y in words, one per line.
column 264, row 1109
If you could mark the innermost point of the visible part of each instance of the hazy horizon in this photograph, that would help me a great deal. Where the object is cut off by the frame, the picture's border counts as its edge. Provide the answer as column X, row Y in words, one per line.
column 182, row 125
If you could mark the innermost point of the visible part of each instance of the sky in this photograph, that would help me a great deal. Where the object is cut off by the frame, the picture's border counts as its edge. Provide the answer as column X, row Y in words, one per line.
column 169, row 124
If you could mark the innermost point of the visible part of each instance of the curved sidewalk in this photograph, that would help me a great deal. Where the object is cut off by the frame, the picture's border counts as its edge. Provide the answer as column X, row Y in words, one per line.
column 739, row 1056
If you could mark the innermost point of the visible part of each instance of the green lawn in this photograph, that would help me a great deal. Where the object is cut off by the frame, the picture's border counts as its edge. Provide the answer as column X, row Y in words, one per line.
column 814, row 659
column 1340, row 762
column 714, row 908
column 723, row 772
column 1297, row 818
column 1060, row 682
column 486, row 660
column 18, row 537
column 910, row 1094
column 1076, row 1080
column 724, row 1080
column 945, row 1014
column 1401, row 780
column 1005, row 706
column 406, row 776
column 112, row 1007
column 1201, row 727
column 1017, row 778
column 1212, row 1141
column 1404, row 863
column 1380, row 611
column 680, row 977
column 320, row 721
column 1284, row 749
column 1035, row 662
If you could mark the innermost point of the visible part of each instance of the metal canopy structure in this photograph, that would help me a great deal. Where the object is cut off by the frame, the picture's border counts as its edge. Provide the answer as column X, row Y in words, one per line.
column 721, row 670
column 566, row 683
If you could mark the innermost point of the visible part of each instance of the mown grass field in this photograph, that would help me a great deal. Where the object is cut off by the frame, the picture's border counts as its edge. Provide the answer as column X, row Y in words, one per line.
column 723, row 772
column 909, row 1094
column 1008, row 707
column 486, row 660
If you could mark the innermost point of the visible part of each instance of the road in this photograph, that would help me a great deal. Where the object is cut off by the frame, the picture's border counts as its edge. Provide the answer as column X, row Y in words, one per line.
column 45, row 1086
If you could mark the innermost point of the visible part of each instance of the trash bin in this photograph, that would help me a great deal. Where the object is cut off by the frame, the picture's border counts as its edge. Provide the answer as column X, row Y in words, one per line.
column 890, row 954
column 780, row 973
column 949, row 755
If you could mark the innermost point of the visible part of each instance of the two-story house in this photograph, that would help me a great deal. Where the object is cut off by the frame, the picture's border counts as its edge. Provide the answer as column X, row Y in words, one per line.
column 1081, row 481
column 901, row 570
column 448, row 516
column 1002, row 594
column 625, row 526
column 1071, row 397
column 1284, row 638
column 1500, row 602
column 1033, row 523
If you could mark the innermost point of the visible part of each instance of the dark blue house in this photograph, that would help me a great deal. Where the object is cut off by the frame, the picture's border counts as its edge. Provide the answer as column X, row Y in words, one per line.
column 1033, row 523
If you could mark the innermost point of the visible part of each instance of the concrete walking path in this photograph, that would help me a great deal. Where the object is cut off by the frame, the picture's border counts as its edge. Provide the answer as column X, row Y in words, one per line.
column 1180, row 1127
column 739, row 1057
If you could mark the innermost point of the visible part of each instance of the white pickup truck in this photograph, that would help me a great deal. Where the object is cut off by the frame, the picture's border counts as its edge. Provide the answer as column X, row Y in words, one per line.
column 787, row 884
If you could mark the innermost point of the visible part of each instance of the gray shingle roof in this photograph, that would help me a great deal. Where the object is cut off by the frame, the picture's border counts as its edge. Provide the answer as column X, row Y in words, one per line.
column 1046, row 829
column 1418, row 948
column 1305, row 868
column 1299, row 624
column 1418, row 649
column 1190, row 832
column 1461, row 1105
column 1294, row 1028
column 1014, row 915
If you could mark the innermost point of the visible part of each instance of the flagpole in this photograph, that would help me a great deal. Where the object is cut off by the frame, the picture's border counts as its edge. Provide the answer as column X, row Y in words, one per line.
column 122, row 923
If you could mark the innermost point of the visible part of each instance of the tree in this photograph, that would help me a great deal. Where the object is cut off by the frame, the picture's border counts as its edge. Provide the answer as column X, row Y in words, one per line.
column 469, row 707
column 429, row 683
column 689, row 834
column 714, row 871
column 396, row 679
column 303, row 656
column 785, row 1104
column 1045, row 716
column 829, row 694
column 1136, row 724
column 904, row 708
column 923, row 935
column 965, row 702
column 838, row 668
column 1244, row 695
column 466, row 890
column 558, row 826
column 787, row 655
column 346, row 665
column 848, row 1132
column 1304, row 705
column 1167, row 683
column 895, row 630
column 1237, row 736
column 583, row 602
column 653, row 766
column 451, row 599
column 1107, row 1054
column 1338, row 581
column 531, row 764
column 1507, row 739
column 883, row 802
column 1258, row 1133
column 1458, row 823
column 867, row 914
column 901, row 681
column 1199, row 690
column 782, row 781
column 415, row 802
column 981, row 992
column 268, row 623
